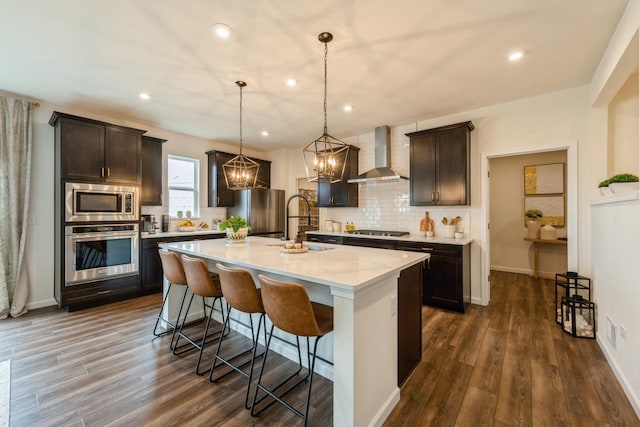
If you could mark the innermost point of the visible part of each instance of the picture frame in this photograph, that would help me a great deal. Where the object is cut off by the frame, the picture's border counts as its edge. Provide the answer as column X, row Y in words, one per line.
column 552, row 208
column 544, row 179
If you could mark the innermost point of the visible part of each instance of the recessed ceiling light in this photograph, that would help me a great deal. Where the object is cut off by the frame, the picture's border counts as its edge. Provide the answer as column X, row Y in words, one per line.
column 515, row 56
column 291, row 82
column 265, row 133
column 348, row 108
column 221, row 30
column 144, row 95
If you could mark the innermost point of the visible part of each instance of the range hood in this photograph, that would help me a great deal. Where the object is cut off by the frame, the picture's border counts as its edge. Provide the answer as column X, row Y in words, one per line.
column 382, row 170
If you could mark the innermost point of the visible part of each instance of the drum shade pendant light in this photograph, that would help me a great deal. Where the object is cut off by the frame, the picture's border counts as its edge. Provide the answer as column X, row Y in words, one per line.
column 240, row 172
column 326, row 157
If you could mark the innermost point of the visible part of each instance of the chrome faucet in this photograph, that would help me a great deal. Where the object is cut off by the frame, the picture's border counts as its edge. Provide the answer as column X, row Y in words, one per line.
column 308, row 215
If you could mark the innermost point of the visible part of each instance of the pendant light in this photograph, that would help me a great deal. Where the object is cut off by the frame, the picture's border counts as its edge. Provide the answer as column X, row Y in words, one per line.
column 240, row 172
column 326, row 157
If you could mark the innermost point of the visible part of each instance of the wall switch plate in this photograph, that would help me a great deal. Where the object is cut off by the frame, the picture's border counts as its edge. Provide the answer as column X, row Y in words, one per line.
column 623, row 332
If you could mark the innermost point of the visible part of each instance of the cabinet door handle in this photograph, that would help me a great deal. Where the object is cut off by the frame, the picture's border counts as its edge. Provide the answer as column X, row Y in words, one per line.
column 108, row 291
column 426, row 249
column 428, row 263
column 108, row 172
column 102, row 172
column 433, row 196
column 437, row 196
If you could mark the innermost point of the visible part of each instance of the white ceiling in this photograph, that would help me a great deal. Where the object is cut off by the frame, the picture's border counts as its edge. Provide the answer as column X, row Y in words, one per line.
column 396, row 61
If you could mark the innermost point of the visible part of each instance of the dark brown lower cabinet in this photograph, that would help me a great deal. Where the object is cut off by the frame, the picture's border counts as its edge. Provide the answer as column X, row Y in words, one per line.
column 409, row 321
column 150, row 264
column 446, row 281
column 97, row 293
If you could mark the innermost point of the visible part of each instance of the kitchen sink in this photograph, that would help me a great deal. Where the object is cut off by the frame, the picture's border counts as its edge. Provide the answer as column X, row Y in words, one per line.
column 318, row 248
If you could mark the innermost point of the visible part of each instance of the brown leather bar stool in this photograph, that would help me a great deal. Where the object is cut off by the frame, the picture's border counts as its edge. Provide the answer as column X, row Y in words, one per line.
column 288, row 307
column 204, row 284
column 241, row 294
column 173, row 271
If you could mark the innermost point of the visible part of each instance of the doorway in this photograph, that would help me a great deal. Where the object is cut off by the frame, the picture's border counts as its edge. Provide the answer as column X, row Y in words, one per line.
column 571, row 217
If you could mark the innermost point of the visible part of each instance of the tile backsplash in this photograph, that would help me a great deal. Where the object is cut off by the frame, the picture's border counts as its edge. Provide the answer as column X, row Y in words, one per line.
column 385, row 206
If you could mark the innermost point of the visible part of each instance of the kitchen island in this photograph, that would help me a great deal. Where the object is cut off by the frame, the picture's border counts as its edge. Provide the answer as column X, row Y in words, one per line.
column 362, row 286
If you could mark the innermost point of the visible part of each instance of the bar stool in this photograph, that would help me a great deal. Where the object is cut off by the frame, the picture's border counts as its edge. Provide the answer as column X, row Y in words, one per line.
column 241, row 294
column 204, row 284
column 288, row 307
column 173, row 271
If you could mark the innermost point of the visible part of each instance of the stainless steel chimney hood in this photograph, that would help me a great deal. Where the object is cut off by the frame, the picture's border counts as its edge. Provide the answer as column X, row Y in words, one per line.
column 382, row 170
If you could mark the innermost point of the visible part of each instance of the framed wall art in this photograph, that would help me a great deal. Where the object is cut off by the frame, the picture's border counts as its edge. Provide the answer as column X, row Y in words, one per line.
column 552, row 208
column 544, row 179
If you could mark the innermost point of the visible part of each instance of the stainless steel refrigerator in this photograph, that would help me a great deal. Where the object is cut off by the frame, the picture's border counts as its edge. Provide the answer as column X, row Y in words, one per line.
column 263, row 209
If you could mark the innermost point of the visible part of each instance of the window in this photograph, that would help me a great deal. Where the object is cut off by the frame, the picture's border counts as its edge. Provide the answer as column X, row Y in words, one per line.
column 183, row 185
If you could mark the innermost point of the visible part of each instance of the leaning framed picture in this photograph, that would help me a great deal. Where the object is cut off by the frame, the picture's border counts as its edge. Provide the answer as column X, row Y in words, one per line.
column 552, row 208
column 544, row 179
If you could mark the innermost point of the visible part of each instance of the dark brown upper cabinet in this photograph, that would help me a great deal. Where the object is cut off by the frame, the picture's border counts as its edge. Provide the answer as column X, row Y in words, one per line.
column 439, row 165
column 90, row 150
column 219, row 195
column 341, row 194
column 151, row 189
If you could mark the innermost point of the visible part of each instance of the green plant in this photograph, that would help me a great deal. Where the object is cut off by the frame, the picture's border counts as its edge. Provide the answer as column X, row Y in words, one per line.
column 623, row 177
column 533, row 213
column 235, row 223
column 604, row 183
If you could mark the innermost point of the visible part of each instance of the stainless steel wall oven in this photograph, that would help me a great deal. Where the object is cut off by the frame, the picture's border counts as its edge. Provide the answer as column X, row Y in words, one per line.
column 96, row 252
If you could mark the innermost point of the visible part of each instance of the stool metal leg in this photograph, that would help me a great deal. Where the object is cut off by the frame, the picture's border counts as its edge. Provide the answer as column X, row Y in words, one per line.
column 255, row 334
column 272, row 392
column 155, row 328
column 178, row 323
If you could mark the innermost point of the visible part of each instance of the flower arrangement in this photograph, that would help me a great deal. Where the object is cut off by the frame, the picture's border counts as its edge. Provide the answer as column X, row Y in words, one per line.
column 235, row 223
column 533, row 214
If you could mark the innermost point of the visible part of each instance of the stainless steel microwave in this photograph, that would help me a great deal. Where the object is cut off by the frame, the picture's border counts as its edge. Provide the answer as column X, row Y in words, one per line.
column 100, row 202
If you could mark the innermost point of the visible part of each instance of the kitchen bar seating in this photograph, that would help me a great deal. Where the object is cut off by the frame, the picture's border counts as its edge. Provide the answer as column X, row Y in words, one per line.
column 288, row 307
column 204, row 284
column 241, row 294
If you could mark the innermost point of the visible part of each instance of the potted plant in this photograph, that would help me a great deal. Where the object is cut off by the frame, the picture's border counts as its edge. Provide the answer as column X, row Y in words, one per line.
column 623, row 182
column 533, row 227
column 236, row 228
column 604, row 187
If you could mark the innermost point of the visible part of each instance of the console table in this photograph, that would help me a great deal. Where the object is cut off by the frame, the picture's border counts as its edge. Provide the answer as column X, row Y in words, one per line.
column 536, row 243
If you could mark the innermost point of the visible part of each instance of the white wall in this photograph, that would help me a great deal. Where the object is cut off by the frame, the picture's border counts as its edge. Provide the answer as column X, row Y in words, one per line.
column 615, row 227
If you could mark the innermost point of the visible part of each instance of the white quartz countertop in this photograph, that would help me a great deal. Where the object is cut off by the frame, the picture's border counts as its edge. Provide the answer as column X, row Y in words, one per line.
column 346, row 267
column 185, row 234
column 409, row 238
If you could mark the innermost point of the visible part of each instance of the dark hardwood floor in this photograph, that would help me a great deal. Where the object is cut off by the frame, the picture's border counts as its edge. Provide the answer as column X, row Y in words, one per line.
column 508, row 364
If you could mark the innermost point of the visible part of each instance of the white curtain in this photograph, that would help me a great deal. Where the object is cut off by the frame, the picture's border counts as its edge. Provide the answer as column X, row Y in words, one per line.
column 15, row 171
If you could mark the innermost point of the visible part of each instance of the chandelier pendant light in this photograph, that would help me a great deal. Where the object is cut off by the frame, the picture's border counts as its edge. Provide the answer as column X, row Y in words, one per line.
column 326, row 157
column 240, row 172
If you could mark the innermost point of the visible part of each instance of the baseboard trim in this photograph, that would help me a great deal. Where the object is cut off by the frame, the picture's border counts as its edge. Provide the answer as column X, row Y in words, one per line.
column 40, row 304
column 622, row 379
column 386, row 408
column 510, row 269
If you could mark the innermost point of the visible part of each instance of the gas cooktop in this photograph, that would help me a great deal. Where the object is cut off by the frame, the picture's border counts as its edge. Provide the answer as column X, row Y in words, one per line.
column 379, row 233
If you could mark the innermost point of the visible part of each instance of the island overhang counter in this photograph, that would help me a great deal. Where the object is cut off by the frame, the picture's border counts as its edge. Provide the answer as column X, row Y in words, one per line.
column 362, row 286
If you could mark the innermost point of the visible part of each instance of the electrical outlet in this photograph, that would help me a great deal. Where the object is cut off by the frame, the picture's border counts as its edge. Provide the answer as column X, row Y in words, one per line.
column 611, row 332
column 623, row 332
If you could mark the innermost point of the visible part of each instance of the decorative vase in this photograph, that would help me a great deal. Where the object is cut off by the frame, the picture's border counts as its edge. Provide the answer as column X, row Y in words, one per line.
column 533, row 229
column 605, row 191
column 237, row 236
column 623, row 187
column 548, row 232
